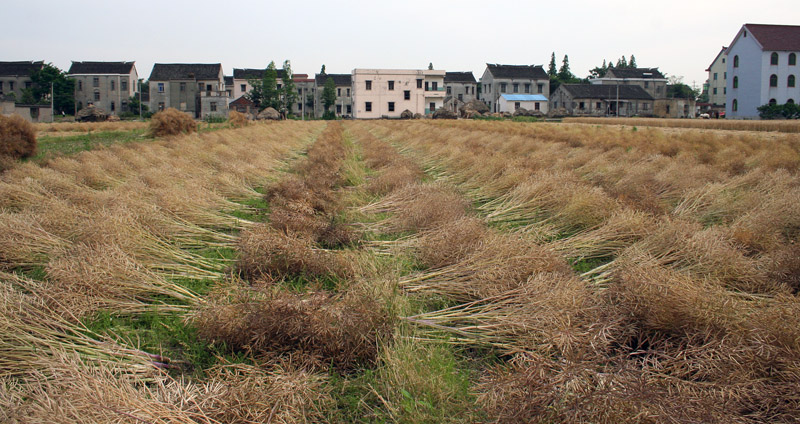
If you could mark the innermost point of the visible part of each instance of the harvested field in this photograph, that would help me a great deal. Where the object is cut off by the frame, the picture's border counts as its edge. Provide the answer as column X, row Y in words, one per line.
column 785, row 126
column 414, row 271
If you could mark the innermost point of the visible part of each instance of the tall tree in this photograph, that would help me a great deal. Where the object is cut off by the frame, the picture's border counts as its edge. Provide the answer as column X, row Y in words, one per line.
column 289, row 90
column 632, row 62
column 430, row 66
column 328, row 96
column 622, row 62
column 322, row 71
column 269, row 88
column 551, row 69
column 63, row 88
column 564, row 74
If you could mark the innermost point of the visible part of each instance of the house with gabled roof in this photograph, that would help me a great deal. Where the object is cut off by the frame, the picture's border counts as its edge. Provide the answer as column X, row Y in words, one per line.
column 343, row 84
column 195, row 88
column 512, row 79
column 650, row 79
column 601, row 100
column 762, row 69
column 16, row 76
column 717, row 79
column 107, row 85
column 460, row 88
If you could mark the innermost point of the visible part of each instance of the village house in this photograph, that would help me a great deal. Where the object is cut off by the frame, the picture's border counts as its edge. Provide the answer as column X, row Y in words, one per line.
column 512, row 102
column 601, row 100
column 106, row 85
column 31, row 113
column 650, row 79
column 762, row 69
column 16, row 76
column 240, row 85
column 306, row 87
column 244, row 105
column 195, row 88
column 717, row 82
column 343, row 106
column 460, row 88
column 512, row 79
column 379, row 93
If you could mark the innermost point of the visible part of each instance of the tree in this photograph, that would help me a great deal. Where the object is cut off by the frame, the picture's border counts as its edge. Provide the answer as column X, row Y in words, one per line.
column 328, row 97
column 784, row 111
column 551, row 69
column 632, row 63
column 264, row 91
column 322, row 71
column 622, row 63
column 289, row 90
column 564, row 74
column 599, row 71
column 63, row 89
column 430, row 66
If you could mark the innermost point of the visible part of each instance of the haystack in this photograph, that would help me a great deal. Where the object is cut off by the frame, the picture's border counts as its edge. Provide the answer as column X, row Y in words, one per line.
column 269, row 113
column 91, row 114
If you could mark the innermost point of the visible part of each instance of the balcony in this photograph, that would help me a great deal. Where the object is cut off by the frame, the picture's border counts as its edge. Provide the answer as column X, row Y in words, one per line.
column 213, row 93
column 438, row 93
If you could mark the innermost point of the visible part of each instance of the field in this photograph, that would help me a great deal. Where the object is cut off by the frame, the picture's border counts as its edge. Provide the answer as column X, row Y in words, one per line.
column 404, row 271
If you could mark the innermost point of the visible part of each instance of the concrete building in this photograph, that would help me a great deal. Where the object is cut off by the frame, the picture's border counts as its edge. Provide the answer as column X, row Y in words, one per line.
column 460, row 88
column 649, row 79
column 16, row 76
column 30, row 113
column 306, row 87
column 344, row 94
column 195, row 88
column 512, row 79
column 106, row 85
column 762, row 69
column 601, row 100
column 511, row 102
column 717, row 80
column 242, row 77
column 379, row 93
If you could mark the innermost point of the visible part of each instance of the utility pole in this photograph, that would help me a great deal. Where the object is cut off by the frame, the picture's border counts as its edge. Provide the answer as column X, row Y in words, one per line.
column 140, row 97
column 52, row 104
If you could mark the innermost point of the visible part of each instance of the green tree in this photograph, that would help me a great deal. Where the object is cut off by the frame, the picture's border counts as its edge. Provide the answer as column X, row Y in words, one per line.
column 551, row 69
column 329, row 97
column 322, row 71
column 430, row 66
column 784, row 111
column 564, row 74
column 622, row 62
column 599, row 71
column 289, row 90
column 264, row 91
column 63, row 89
column 632, row 63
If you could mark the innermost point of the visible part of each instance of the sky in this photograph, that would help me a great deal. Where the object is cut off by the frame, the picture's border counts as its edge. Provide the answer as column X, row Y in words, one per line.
column 679, row 37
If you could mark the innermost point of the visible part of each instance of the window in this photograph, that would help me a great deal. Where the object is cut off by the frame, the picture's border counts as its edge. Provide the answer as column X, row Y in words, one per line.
column 647, row 83
column 516, row 88
column 34, row 111
column 790, row 81
column 348, row 92
column 715, row 90
column 792, row 59
column 419, row 83
column 540, row 88
column 243, row 87
column 773, row 58
column 723, row 60
column 773, row 80
column 123, row 85
column 96, row 96
column 113, row 85
column 349, row 109
column 724, row 90
column 790, row 102
column 527, row 87
column 339, row 92
column 338, row 109
column 95, row 82
column 299, row 106
column 646, row 106
column 279, row 87
column 449, row 90
column 736, row 61
column 161, row 87
column 11, row 85
column 582, row 105
column 208, row 87
column 772, row 102
column 735, row 82
column 213, row 106
column 536, row 106
column 391, row 106
column 598, row 105
column 113, row 106
column 715, row 78
column 200, row 86
column 735, row 105
column 368, row 85
column 502, row 87
column 435, row 86
column 433, row 107
column 124, row 105
column 80, row 86
column 182, row 87
column 460, row 97
column 516, row 105
column 427, row 86
column 300, row 91
column 407, row 95
column 368, row 106
column 391, row 85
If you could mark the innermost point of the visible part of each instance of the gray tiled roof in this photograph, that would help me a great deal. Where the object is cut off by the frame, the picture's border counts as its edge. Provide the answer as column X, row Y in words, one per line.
column 607, row 91
column 338, row 79
column 23, row 68
column 250, row 73
column 175, row 71
column 94, row 68
column 517, row 71
column 459, row 77
column 652, row 73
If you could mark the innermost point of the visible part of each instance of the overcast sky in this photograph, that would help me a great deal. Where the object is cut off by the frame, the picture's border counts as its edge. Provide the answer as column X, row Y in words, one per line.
column 679, row 37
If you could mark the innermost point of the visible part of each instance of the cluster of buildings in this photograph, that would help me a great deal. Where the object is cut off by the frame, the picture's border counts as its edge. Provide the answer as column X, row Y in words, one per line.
column 758, row 67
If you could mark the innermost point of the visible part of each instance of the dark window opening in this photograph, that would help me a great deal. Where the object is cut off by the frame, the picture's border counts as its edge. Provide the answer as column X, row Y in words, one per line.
column 391, row 106
column 368, row 85
column 773, row 80
column 391, row 85
column 368, row 106
column 407, row 95
column 773, row 58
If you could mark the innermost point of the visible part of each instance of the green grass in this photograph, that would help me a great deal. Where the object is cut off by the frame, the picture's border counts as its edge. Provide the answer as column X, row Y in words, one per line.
column 585, row 265
column 50, row 147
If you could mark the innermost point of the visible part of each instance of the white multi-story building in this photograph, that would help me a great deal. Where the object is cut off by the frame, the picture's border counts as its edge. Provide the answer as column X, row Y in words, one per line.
column 717, row 79
column 387, row 93
column 762, row 69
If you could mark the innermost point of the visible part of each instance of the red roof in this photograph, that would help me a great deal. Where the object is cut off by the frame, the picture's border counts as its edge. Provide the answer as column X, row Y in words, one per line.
column 776, row 37
column 244, row 101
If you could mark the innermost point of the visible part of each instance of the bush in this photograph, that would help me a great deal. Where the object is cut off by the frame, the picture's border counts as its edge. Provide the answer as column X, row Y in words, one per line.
column 17, row 137
column 171, row 122
column 237, row 119
column 785, row 111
